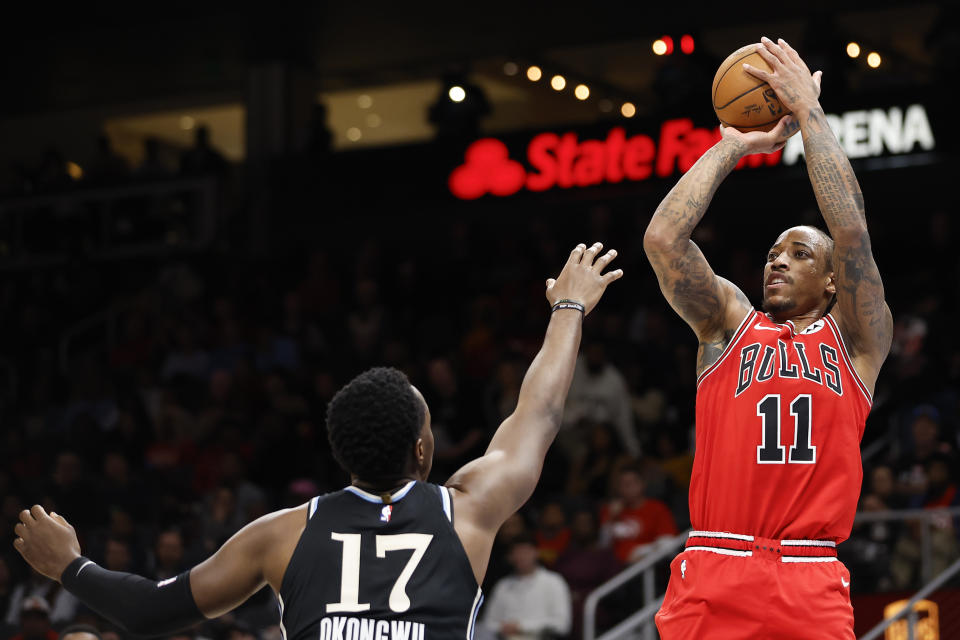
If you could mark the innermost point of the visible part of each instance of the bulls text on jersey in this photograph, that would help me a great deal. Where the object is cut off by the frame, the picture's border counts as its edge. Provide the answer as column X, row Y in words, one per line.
column 760, row 363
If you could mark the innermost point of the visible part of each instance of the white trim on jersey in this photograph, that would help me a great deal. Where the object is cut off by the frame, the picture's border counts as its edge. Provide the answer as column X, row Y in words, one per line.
column 445, row 497
column 477, row 602
column 835, row 329
column 808, row 559
column 719, row 534
column 283, row 630
column 369, row 497
column 737, row 336
column 808, row 543
column 722, row 551
column 314, row 502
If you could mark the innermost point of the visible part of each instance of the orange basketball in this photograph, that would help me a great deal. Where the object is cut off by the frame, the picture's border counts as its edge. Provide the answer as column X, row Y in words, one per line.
column 744, row 101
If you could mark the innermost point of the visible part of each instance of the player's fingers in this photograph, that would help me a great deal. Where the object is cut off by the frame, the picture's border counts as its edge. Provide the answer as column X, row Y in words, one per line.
column 610, row 276
column 759, row 73
column 60, row 519
column 771, row 47
column 605, row 259
column 790, row 51
column 38, row 512
column 590, row 254
column 817, row 78
column 18, row 545
column 26, row 517
column 551, row 282
column 19, row 529
column 577, row 254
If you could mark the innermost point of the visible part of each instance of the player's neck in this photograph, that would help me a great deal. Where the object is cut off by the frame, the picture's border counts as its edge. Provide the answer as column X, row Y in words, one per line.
column 379, row 486
column 800, row 321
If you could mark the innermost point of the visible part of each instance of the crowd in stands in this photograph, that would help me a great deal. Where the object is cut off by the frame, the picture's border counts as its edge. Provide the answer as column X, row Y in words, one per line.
column 206, row 409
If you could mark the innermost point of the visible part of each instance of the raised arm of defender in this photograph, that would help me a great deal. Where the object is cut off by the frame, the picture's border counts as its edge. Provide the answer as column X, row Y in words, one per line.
column 862, row 311
column 711, row 305
column 491, row 488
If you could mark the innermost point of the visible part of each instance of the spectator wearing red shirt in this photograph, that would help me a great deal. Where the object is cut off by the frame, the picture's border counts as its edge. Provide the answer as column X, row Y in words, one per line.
column 552, row 534
column 632, row 521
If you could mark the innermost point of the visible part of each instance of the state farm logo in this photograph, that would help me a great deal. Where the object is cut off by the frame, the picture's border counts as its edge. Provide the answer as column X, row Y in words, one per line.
column 488, row 169
column 565, row 161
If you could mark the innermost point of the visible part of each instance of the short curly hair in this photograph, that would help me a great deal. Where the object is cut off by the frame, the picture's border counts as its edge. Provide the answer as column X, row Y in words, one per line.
column 373, row 423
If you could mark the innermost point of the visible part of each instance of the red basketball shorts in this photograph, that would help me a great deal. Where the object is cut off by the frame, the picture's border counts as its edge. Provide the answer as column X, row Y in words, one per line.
column 726, row 586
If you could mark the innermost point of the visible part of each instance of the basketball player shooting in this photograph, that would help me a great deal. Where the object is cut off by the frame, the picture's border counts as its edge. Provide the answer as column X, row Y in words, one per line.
column 389, row 557
column 782, row 394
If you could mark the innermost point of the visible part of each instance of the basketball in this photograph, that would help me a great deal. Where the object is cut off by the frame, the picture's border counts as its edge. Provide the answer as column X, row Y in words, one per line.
column 744, row 101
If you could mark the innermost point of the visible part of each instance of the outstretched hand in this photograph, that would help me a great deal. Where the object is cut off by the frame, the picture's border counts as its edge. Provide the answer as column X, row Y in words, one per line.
column 46, row 541
column 582, row 278
column 797, row 89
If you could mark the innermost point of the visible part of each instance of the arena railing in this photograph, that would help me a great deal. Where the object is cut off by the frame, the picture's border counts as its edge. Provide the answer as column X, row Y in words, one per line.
column 642, row 619
column 646, row 567
column 88, row 220
column 909, row 611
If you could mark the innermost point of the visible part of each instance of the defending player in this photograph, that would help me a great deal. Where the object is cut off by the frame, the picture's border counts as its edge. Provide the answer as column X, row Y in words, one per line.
column 782, row 396
column 389, row 557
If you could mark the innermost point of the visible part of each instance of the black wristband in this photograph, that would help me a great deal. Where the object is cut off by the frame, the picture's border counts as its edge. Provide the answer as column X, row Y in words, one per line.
column 137, row 604
column 568, row 304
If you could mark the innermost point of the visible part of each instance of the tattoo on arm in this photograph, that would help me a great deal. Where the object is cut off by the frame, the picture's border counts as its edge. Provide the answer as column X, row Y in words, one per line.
column 686, row 278
column 860, row 294
column 710, row 352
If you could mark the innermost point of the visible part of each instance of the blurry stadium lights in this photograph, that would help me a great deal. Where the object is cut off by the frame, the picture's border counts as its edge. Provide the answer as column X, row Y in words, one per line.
column 659, row 47
column 354, row 134
column 628, row 110
column 364, row 101
column 853, row 49
column 558, row 82
column 582, row 92
column 456, row 93
column 534, row 73
column 187, row 123
column 686, row 43
column 74, row 170
column 374, row 120
column 873, row 59
column 511, row 68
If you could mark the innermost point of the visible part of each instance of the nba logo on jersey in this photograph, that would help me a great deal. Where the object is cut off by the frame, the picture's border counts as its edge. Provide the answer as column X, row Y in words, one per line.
column 386, row 512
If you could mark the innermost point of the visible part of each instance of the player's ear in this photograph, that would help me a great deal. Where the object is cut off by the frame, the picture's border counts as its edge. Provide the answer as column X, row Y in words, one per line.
column 831, row 283
column 419, row 452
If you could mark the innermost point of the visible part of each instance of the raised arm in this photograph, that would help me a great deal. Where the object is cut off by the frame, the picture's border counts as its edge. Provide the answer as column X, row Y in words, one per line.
column 861, row 308
column 491, row 488
column 254, row 556
column 711, row 305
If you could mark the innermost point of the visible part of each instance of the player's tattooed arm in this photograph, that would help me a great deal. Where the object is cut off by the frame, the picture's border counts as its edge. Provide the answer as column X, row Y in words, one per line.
column 861, row 305
column 708, row 303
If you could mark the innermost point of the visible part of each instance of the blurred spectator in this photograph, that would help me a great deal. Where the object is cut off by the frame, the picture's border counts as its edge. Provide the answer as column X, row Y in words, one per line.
column 52, row 173
column 514, row 528
column 201, row 158
column 188, row 358
column 107, row 167
column 80, row 632
column 552, row 534
column 925, row 441
column 532, row 602
column 6, row 595
column 596, row 465
column 940, row 491
column 632, row 522
column 35, row 620
column 457, row 432
column 117, row 555
column 168, row 559
column 585, row 565
column 153, row 165
column 598, row 393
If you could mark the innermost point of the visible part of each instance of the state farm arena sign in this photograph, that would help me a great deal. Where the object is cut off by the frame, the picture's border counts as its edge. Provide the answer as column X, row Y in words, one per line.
column 565, row 161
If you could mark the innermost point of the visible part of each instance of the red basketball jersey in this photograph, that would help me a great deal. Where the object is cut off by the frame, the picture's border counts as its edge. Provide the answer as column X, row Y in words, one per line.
column 780, row 417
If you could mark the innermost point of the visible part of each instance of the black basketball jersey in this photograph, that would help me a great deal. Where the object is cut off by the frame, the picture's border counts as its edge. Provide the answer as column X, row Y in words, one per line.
column 368, row 570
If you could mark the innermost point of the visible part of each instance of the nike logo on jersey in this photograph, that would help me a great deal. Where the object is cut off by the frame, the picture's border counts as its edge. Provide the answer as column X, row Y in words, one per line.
column 845, row 583
column 760, row 326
